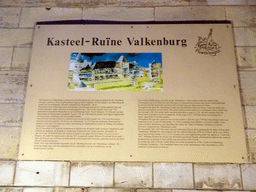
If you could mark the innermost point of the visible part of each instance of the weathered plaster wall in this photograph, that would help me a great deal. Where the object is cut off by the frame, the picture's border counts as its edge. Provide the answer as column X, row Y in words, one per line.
column 17, row 19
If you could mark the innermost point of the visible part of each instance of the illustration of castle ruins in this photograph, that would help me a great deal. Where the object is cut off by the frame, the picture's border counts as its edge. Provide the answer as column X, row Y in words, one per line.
column 87, row 71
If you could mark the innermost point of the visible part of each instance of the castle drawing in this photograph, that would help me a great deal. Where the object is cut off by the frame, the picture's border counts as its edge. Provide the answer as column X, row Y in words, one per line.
column 87, row 74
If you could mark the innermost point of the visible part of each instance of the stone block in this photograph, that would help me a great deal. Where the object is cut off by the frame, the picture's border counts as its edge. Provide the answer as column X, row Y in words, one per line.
column 59, row 3
column 242, row 16
column 30, row 16
column 251, row 2
column 92, row 174
column 16, row 37
column 189, row 13
column 249, row 176
column 245, row 36
column 7, row 172
column 5, row 58
column 11, row 189
column 251, row 144
column 21, row 58
column 217, row 176
column 9, row 17
column 226, row 2
column 246, row 57
column 192, row 190
column 248, row 88
column 11, row 114
column 250, row 112
column 146, row 3
column 198, row 2
column 133, row 175
column 37, row 189
column 119, row 14
column 12, row 85
column 154, row 190
column 110, row 190
column 173, row 175
column 236, row 191
column 62, row 189
column 42, row 173
column 9, row 141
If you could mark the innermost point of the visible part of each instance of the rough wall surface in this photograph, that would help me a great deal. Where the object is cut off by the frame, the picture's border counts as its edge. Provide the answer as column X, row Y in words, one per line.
column 17, row 20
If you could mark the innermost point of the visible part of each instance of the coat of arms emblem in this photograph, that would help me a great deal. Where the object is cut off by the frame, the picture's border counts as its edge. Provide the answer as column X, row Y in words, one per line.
column 207, row 45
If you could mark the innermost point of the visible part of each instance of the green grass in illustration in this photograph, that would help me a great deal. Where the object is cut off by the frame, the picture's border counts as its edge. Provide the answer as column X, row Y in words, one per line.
column 112, row 86
column 91, row 85
column 155, row 90
column 128, row 89
column 127, row 85
column 139, row 83
column 158, row 85
column 72, row 86
column 123, row 84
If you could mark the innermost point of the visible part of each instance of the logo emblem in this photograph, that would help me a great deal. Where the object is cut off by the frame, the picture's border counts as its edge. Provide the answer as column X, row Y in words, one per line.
column 207, row 46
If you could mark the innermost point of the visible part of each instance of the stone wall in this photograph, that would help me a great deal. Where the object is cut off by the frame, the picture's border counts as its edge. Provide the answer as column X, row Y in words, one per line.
column 17, row 20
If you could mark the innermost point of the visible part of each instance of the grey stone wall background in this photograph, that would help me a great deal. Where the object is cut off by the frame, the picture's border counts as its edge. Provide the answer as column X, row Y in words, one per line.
column 17, row 20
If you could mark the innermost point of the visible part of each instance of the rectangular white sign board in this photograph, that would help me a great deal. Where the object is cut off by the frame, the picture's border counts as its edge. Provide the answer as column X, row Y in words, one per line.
column 141, row 91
